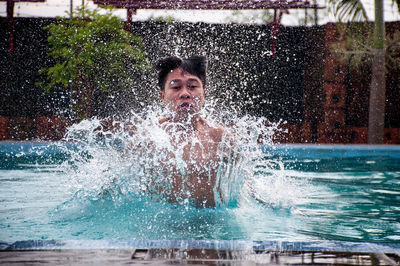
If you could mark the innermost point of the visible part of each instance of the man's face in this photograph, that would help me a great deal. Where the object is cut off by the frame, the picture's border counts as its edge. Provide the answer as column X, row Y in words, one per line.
column 183, row 92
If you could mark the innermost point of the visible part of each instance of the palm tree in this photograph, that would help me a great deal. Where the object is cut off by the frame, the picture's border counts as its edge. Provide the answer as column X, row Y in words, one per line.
column 377, row 94
column 354, row 10
column 348, row 10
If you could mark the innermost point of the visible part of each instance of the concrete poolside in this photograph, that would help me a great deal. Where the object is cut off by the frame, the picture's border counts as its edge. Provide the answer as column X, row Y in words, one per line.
column 197, row 252
column 191, row 256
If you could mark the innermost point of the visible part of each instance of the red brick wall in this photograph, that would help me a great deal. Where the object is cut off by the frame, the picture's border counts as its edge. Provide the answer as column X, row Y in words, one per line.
column 40, row 128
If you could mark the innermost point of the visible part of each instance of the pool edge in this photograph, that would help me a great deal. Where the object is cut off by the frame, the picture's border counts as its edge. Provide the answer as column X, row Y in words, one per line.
column 323, row 246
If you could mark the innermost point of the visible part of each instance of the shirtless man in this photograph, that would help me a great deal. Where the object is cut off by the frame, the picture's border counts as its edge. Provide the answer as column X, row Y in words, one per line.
column 182, row 83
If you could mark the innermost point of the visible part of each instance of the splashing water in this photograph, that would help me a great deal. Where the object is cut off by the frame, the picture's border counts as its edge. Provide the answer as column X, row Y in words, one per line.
column 130, row 170
column 137, row 157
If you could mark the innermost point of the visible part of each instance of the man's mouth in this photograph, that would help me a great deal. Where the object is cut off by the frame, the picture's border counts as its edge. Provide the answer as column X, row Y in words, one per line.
column 186, row 106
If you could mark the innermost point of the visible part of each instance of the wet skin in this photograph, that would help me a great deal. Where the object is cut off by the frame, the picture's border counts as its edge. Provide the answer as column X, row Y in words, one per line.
column 184, row 96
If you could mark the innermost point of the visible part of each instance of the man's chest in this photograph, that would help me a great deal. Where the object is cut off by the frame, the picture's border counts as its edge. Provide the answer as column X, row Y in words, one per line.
column 200, row 153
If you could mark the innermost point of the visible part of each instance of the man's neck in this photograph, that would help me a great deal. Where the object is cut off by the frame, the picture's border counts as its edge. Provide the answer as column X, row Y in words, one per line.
column 189, row 122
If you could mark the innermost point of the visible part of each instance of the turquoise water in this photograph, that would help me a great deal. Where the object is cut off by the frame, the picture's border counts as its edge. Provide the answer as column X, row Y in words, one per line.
column 319, row 193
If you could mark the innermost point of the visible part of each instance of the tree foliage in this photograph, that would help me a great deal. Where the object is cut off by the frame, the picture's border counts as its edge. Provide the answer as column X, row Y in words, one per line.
column 247, row 16
column 348, row 10
column 352, row 10
column 93, row 52
column 358, row 46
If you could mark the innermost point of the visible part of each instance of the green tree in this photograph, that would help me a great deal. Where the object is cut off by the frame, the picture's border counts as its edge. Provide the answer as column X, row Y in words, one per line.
column 93, row 53
column 348, row 10
column 248, row 16
column 354, row 10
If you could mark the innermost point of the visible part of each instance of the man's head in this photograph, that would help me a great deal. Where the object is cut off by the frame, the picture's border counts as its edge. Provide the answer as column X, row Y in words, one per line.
column 182, row 83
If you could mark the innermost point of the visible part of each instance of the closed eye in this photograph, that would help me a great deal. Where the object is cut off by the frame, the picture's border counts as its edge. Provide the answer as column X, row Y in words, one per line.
column 193, row 84
column 175, row 84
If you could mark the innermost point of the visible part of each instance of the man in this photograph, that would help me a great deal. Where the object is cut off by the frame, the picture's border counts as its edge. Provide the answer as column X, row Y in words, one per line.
column 196, row 143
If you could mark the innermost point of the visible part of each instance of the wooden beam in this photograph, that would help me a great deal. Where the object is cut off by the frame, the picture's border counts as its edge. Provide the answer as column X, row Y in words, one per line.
column 10, row 17
column 207, row 4
column 129, row 13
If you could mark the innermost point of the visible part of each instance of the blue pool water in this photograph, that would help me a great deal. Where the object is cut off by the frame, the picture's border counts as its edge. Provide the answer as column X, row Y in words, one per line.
column 319, row 193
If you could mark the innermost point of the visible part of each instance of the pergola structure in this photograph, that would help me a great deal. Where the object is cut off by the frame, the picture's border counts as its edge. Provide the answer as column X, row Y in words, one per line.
column 279, row 6
column 10, row 16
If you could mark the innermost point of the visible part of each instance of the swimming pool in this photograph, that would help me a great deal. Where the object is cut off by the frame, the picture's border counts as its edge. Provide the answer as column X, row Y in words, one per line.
column 329, row 197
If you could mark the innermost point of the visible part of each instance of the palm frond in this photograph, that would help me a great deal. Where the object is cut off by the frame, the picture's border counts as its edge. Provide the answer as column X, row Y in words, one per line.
column 349, row 10
column 397, row 3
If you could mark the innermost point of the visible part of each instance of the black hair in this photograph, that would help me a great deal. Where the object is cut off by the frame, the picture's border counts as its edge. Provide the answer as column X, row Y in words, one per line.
column 195, row 65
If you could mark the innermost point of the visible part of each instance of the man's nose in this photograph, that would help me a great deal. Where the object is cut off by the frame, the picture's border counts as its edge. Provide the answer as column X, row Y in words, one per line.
column 185, row 93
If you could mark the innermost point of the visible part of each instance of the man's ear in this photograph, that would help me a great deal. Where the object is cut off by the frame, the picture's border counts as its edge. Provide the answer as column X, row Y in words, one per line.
column 162, row 96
